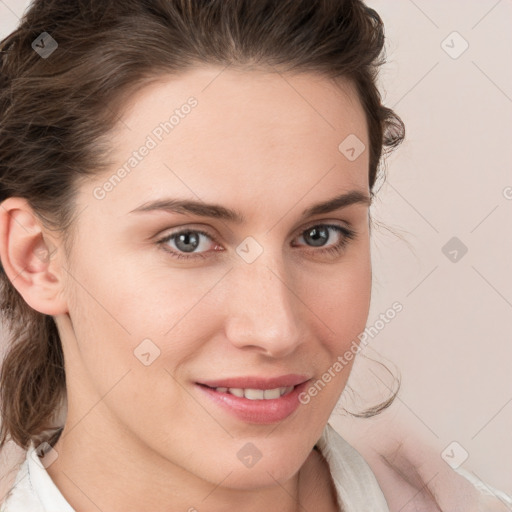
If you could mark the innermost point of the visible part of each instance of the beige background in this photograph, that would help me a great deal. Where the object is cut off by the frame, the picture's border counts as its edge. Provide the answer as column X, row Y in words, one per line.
column 452, row 341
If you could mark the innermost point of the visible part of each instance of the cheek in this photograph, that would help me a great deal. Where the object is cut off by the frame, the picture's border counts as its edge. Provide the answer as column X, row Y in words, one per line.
column 141, row 324
column 341, row 305
column 130, row 341
column 341, row 299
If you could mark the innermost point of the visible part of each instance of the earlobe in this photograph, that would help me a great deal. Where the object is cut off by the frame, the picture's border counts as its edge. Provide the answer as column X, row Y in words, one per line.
column 29, row 257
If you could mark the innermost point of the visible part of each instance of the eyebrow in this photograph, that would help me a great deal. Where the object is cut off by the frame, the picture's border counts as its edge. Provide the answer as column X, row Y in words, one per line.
column 217, row 211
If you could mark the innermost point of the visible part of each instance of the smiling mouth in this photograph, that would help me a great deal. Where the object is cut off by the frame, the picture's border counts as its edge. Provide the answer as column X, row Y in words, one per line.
column 254, row 399
column 252, row 393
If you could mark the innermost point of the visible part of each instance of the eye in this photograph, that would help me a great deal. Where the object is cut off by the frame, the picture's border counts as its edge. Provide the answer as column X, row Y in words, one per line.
column 318, row 235
column 187, row 241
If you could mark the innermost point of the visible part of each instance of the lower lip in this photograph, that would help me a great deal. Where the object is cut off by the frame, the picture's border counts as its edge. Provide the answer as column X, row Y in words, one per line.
column 257, row 411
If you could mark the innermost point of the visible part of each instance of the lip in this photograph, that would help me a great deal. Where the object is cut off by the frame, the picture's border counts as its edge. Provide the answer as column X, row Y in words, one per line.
column 256, row 411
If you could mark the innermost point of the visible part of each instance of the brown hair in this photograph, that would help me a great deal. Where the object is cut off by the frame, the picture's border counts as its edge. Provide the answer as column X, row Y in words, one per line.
column 57, row 109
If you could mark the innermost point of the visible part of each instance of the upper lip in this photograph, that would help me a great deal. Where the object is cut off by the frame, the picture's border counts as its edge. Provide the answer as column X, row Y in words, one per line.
column 253, row 382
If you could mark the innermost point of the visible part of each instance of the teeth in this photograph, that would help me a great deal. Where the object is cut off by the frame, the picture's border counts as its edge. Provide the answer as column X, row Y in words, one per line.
column 271, row 393
column 257, row 394
column 254, row 394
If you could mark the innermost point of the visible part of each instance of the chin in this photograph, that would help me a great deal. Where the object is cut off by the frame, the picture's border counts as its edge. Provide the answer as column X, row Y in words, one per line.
column 262, row 474
column 263, row 462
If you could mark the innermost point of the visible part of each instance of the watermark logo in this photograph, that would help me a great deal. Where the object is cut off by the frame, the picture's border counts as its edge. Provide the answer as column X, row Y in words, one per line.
column 249, row 249
column 454, row 455
column 352, row 147
column 151, row 142
column 44, row 45
column 454, row 45
column 355, row 347
column 44, row 455
column 249, row 455
column 454, row 249
column 146, row 352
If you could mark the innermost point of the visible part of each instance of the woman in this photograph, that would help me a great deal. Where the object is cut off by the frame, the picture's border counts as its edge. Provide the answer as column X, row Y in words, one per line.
column 185, row 251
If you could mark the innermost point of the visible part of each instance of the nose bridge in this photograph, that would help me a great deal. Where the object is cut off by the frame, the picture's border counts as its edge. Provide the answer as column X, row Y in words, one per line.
column 263, row 308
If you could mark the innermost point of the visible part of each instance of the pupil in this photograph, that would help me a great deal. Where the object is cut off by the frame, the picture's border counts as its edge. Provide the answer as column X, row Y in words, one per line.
column 317, row 236
column 186, row 237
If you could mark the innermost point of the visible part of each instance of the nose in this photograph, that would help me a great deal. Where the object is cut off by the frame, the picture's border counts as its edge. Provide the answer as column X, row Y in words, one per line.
column 263, row 310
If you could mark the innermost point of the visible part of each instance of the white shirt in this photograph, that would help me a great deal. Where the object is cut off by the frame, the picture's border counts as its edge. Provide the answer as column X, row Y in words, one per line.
column 356, row 486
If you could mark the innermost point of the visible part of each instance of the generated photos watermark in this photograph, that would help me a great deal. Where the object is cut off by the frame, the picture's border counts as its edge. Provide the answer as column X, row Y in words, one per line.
column 355, row 347
column 151, row 142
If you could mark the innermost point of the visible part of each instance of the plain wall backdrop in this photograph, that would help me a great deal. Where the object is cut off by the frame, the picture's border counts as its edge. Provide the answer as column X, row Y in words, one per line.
column 452, row 177
column 448, row 194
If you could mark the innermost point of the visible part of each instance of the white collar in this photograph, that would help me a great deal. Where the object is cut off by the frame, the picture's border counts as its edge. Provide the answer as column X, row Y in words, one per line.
column 356, row 485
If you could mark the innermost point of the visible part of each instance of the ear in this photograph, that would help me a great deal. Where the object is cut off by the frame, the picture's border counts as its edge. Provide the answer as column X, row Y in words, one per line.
column 29, row 257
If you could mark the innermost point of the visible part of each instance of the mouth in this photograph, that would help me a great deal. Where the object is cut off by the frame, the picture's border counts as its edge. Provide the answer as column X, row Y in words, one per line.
column 256, row 400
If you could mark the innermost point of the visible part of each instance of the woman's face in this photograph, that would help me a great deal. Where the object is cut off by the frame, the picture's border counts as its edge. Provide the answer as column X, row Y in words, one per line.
column 264, row 302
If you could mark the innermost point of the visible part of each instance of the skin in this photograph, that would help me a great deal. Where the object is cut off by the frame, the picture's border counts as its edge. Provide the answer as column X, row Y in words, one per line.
column 262, row 143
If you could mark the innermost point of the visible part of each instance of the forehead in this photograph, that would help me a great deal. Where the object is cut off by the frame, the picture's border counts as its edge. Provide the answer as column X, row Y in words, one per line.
column 254, row 131
column 248, row 99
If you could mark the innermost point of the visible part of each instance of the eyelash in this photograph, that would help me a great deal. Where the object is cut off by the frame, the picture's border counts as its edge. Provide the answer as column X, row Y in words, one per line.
column 348, row 235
